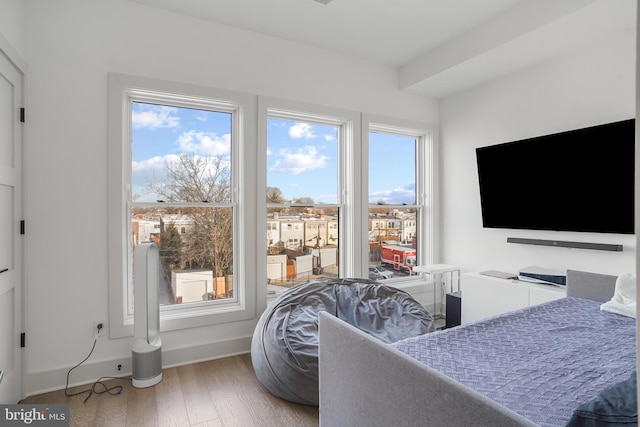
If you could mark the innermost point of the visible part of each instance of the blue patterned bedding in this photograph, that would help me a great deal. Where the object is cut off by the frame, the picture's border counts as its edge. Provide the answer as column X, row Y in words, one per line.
column 541, row 362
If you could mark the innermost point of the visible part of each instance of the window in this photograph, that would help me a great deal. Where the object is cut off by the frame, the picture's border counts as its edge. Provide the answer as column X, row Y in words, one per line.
column 181, row 179
column 302, row 174
column 176, row 153
column 245, row 201
column 307, row 151
column 398, row 181
column 346, row 191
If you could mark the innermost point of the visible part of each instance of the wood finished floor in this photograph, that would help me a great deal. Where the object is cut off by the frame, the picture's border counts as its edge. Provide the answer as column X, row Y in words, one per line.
column 217, row 393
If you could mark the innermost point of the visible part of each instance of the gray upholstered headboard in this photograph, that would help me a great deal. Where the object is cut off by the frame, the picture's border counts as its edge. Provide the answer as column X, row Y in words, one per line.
column 594, row 286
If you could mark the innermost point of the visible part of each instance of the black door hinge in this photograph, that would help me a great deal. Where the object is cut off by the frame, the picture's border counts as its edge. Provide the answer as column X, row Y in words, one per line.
column 22, row 227
column 22, row 115
column 23, row 339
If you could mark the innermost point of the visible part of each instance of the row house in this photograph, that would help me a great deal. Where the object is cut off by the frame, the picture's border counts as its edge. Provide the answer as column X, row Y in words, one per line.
column 296, row 232
column 396, row 225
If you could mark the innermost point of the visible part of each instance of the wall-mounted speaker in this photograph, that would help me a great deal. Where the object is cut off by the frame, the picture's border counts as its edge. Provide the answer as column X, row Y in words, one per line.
column 565, row 244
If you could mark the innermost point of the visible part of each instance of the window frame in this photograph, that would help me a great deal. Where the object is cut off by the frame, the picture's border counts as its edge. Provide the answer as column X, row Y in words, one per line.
column 348, row 123
column 250, row 174
column 426, row 185
column 353, row 182
column 122, row 90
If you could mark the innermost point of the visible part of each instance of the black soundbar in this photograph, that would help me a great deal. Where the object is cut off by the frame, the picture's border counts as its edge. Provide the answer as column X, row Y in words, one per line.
column 565, row 244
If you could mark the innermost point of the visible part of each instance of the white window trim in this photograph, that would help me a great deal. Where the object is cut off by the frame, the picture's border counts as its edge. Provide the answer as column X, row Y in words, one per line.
column 243, row 306
column 250, row 176
column 349, row 177
column 354, row 183
column 426, row 185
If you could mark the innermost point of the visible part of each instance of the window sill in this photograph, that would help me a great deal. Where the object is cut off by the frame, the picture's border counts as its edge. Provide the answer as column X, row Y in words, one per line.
column 413, row 285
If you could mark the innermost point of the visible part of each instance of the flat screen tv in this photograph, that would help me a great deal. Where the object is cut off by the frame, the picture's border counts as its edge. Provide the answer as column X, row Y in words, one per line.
column 580, row 180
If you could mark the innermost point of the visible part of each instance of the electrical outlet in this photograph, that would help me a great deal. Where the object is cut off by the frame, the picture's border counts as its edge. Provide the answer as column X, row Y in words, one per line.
column 103, row 331
column 123, row 367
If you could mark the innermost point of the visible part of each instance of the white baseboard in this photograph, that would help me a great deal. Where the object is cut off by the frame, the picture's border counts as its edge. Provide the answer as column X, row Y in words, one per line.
column 89, row 372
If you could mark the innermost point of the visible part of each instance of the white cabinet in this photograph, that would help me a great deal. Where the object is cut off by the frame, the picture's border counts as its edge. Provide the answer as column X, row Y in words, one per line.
column 485, row 296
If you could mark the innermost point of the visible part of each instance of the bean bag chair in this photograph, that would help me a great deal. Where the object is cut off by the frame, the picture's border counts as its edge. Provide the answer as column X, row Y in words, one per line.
column 284, row 348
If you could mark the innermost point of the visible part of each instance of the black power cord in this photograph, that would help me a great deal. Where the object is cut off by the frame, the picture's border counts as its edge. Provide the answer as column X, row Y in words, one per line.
column 115, row 390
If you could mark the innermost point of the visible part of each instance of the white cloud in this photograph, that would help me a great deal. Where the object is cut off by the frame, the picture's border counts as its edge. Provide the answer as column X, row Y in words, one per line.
column 301, row 130
column 153, row 164
column 204, row 143
column 302, row 160
column 398, row 196
column 152, row 169
column 155, row 117
column 328, row 137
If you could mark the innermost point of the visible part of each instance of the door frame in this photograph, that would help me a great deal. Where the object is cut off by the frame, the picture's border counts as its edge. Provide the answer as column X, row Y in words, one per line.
column 7, row 51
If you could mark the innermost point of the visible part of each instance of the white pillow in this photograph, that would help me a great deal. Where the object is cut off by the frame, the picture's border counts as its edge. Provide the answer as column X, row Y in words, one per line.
column 624, row 298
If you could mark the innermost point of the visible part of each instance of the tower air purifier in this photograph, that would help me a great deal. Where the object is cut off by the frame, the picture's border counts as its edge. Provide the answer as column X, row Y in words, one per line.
column 147, row 345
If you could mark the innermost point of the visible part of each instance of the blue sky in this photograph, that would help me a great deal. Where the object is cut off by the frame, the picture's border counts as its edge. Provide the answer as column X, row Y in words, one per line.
column 392, row 168
column 161, row 133
column 302, row 158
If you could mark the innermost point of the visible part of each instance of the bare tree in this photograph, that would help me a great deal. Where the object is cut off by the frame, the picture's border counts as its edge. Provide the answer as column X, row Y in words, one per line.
column 194, row 178
column 208, row 242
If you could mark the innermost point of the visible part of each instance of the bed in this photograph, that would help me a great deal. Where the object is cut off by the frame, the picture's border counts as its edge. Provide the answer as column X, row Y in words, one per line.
column 567, row 353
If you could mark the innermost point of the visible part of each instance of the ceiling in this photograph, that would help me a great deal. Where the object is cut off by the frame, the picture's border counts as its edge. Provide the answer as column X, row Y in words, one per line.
column 439, row 47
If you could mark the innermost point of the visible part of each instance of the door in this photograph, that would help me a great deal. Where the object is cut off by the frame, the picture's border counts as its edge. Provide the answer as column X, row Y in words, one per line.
column 10, row 239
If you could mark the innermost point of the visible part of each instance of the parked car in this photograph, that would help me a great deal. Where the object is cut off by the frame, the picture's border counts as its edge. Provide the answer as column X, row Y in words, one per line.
column 375, row 276
column 384, row 274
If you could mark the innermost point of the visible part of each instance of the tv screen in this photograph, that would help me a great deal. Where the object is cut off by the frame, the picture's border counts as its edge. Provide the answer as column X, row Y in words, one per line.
column 580, row 180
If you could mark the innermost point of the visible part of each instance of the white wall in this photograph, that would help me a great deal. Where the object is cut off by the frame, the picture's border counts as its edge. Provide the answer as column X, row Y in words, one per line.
column 593, row 86
column 71, row 46
column 12, row 24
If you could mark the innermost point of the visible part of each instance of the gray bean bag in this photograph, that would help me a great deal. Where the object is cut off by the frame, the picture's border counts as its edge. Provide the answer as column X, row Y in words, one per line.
column 284, row 349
